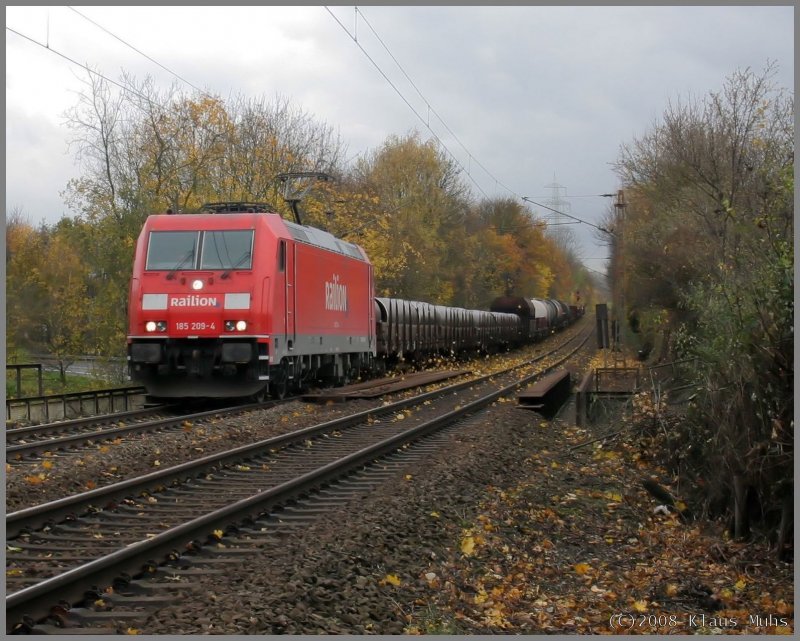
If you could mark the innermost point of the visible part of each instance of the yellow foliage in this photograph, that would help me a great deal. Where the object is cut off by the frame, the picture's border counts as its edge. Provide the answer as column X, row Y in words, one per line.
column 467, row 545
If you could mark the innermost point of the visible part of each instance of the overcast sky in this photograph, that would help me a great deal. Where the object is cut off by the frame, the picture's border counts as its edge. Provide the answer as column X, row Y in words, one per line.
column 531, row 94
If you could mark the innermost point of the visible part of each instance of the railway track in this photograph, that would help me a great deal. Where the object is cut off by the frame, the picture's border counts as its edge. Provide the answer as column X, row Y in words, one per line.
column 68, row 437
column 22, row 434
column 57, row 549
column 71, row 437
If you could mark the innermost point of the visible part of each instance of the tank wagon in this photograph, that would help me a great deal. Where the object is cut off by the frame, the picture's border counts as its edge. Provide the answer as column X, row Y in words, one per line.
column 238, row 302
column 539, row 316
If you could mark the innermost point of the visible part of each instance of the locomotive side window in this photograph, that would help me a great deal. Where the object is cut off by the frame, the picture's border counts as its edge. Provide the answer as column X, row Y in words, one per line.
column 171, row 250
column 227, row 250
column 282, row 256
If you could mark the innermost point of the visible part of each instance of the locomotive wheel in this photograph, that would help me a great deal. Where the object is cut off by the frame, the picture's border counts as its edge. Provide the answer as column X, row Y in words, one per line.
column 260, row 396
column 278, row 390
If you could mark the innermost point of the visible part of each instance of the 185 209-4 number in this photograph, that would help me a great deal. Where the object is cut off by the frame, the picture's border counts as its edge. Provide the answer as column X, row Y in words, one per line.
column 195, row 326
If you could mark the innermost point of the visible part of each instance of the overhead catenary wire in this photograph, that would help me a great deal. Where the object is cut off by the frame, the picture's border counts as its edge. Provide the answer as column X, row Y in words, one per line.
column 141, row 53
column 580, row 220
column 87, row 68
column 430, row 108
column 470, row 156
column 405, row 100
column 134, row 92
column 449, row 130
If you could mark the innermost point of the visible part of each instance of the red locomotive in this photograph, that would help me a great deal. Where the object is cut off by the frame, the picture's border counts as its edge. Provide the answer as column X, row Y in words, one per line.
column 238, row 300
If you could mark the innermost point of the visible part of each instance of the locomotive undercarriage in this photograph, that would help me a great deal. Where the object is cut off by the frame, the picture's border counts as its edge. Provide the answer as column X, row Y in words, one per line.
column 242, row 368
column 295, row 374
column 333, row 369
column 198, row 368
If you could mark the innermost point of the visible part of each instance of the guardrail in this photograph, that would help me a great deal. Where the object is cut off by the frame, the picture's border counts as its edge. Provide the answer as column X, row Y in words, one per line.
column 18, row 367
column 53, row 407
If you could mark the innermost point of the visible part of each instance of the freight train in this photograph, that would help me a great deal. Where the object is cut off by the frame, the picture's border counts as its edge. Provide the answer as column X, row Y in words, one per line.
column 236, row 301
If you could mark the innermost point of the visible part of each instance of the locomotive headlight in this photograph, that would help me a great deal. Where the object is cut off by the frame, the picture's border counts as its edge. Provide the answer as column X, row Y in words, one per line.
column 197, row 284
column 150, row 326
column 239, row 326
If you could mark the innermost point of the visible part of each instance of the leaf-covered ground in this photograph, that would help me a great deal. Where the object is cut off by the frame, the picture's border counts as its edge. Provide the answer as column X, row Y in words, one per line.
column 518, row 526
column 576, row 547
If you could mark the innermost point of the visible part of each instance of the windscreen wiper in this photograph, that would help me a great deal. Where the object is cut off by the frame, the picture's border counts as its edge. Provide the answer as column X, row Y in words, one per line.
column 238, row 263
column 180, row 264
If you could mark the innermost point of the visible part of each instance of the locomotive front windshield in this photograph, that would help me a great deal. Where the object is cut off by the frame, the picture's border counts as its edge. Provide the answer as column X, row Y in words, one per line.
column 227, row 250
column 188, row 250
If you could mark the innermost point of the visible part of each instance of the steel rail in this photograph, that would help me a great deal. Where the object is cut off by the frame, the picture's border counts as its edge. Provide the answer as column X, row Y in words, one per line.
column 38, row 516
column 64, row 442
column 86, row 421
column 71, row 585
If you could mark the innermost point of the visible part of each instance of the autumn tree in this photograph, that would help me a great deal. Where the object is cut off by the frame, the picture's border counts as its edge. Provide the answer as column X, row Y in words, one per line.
column 422, row 199
column 708, row 250
column 46, row 285
column 22, row 256
column 512, row 256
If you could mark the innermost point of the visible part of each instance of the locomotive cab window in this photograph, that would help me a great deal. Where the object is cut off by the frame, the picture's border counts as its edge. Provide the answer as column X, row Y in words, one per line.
column 188, row 250
column 227, row 249
column 172, row 250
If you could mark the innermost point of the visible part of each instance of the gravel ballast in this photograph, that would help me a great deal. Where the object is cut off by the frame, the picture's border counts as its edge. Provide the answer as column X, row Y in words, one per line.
column 352, row 571
column 518, row 525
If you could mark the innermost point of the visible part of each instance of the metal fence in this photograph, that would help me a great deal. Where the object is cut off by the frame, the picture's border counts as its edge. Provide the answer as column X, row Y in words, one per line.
column 54, row 407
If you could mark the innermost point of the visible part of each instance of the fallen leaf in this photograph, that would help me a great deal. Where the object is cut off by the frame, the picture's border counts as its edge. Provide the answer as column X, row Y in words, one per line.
column 467, row 545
